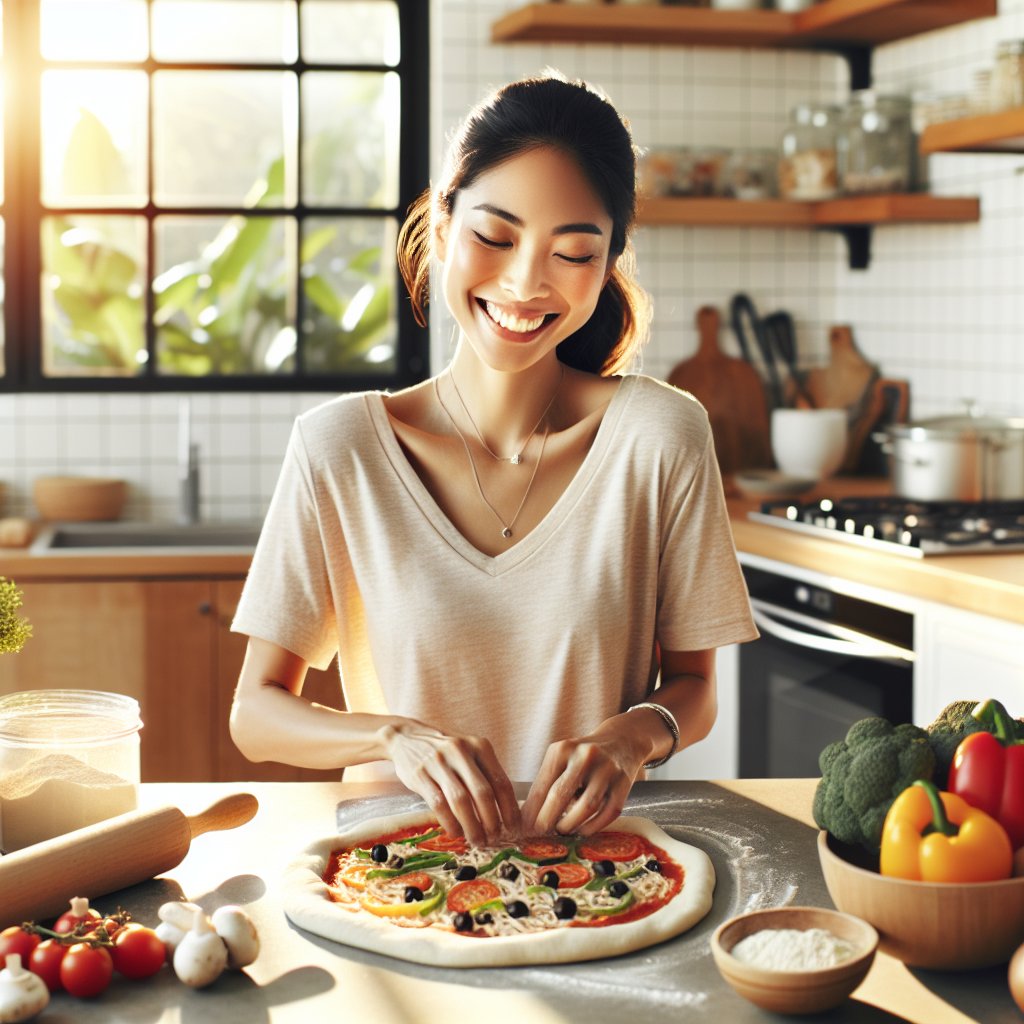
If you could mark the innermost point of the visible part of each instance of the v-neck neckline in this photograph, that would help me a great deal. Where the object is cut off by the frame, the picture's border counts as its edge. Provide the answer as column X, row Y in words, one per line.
column 494, row 565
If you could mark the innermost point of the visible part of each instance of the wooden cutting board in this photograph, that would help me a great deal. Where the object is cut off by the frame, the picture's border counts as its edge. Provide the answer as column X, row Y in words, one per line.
column 846, row 381
column 733, row 395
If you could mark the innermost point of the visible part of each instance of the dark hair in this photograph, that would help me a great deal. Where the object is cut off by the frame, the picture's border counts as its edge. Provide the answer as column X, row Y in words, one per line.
column 574, row 118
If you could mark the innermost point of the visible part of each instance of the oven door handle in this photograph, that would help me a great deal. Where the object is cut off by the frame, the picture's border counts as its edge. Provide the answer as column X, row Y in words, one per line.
column 844, row 641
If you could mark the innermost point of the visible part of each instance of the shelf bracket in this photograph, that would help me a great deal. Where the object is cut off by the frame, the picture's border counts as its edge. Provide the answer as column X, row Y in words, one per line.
column 858, row 59
column 858, row 244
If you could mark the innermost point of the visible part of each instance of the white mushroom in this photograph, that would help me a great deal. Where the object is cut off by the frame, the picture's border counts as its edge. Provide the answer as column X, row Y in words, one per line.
column 235, row 927
column 22, row 993
column 175, row 921
column 201, row 955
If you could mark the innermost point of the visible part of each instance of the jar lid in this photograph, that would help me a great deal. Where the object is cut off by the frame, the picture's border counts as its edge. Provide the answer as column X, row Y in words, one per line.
column 45, row 718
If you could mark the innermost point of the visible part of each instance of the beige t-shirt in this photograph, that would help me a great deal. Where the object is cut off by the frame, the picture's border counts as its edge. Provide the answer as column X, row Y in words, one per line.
column 538, row 643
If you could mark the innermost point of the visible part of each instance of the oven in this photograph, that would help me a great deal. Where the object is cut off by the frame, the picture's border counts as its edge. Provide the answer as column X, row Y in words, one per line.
column 825, row 659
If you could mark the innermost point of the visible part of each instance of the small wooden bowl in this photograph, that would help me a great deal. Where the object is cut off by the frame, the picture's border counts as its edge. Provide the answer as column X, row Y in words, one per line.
column 76, row 499
column 939, row 925
column 797, row 992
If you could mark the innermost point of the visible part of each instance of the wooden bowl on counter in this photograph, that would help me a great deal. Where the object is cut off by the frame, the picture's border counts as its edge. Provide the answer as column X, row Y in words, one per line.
column 76, row 499
column 939, row 925
column 795, row 991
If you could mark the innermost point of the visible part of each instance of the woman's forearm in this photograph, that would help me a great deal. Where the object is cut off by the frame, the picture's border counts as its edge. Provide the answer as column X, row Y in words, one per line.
column 271, row 721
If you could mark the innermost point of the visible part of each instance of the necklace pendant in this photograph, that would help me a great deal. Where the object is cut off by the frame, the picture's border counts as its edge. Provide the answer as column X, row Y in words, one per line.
column 506, row 532
column 516, row 459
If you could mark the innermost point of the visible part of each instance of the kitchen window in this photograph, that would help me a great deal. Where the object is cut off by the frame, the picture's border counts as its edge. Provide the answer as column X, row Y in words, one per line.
column 206, row 194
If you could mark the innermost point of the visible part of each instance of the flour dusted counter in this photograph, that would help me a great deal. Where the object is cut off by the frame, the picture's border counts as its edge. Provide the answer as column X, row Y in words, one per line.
column 757, row 833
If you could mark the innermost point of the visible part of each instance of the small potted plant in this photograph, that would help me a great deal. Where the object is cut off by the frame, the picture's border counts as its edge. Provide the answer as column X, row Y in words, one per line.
column 14, row 630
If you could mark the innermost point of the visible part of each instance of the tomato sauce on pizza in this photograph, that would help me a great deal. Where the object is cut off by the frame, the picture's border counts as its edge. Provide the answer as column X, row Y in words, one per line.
column 420, row 877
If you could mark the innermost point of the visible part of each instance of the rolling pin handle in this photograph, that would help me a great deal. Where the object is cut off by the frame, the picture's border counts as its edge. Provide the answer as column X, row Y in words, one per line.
column 228, row 812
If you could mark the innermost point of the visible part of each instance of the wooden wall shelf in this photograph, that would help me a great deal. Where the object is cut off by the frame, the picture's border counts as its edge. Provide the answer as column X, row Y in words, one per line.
column 852, row 216
column 1002, row 132
column 829, row 25
column 787, row 213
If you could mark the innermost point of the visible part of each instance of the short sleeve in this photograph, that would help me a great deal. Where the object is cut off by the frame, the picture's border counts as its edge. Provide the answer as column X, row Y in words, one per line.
column 287, row 597
column 703, row 600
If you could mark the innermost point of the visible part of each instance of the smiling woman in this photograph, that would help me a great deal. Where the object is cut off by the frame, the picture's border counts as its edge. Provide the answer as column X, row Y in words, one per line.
column 512, row 558
column 190, row 190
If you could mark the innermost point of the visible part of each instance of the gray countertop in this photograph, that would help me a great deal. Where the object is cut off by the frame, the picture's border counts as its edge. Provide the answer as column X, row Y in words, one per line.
column 762, row 857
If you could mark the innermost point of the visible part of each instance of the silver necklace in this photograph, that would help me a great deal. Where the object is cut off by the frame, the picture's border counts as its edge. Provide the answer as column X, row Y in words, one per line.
column 516, row 457
column 506, row 528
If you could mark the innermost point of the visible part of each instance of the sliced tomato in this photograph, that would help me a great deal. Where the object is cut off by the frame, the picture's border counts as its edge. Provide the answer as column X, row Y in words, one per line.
column 465, row 896
column 445, row 843
column 544, row 849
column 570, row 876
column 614, row 846
column 418, row 879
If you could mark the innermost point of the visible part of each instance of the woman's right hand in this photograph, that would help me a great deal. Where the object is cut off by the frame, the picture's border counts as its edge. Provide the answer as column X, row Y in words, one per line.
column 459, row 777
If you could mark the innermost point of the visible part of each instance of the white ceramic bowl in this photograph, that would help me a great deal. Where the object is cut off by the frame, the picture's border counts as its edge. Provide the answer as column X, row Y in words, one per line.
column 809, row 443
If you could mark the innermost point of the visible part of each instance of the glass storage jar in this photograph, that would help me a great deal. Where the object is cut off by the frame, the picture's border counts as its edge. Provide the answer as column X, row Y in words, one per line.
column 876, row 144
column 68, row 758
column 1008, row 75
column 807, row 153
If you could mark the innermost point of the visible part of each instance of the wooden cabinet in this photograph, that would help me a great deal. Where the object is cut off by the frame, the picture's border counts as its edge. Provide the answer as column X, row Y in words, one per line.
column 165, row 642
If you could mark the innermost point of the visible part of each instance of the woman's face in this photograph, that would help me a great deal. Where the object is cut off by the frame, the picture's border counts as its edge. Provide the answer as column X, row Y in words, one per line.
column 525, row 256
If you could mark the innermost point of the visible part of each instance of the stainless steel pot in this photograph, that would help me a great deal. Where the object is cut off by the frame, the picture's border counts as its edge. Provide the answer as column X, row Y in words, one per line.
column 956, row 458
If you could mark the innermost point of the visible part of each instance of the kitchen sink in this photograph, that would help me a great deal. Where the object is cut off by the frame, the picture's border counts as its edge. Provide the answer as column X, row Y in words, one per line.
column 132, row 538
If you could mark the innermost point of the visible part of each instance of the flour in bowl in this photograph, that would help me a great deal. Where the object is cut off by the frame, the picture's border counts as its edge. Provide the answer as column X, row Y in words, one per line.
column 790, row 949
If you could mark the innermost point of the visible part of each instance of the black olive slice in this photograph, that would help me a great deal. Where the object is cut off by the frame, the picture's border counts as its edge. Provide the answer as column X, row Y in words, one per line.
column 564, row 908
column 413, row 894
column 517, row 908
column 550, row 879
column 466, row 873
column 604, row 868
column 379, row 853
column 508, row 871
column 463, row 922
column 618, row 888
column 484, row 918
column 653, row 865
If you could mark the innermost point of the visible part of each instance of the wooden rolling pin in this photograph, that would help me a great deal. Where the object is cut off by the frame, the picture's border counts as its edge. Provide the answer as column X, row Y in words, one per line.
column 38, row 882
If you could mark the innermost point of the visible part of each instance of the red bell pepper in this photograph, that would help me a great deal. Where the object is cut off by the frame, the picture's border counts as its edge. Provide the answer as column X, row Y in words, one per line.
column 988, row 770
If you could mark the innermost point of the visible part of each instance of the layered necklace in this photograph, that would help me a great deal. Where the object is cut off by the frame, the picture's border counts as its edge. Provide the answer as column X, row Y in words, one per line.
column 515, row 459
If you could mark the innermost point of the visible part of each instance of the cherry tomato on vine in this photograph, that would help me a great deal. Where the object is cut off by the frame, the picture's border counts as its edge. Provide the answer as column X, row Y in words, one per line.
column 16, row 940
column 45, row 962
column 69, row 920
column 138, row 951
column 86, row 970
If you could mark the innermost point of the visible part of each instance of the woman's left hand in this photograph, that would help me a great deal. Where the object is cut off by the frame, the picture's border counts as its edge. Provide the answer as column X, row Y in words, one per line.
column 583, row 783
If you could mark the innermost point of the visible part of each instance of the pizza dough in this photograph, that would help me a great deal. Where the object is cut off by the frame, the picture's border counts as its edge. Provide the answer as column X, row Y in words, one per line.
column 307, row 904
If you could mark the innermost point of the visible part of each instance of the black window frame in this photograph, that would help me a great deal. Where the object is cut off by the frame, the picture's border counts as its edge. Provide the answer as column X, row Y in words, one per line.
column 23, row 213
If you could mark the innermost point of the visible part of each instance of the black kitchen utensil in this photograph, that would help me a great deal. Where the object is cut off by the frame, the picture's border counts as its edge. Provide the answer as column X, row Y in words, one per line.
column 744, row 318
column 781, row 334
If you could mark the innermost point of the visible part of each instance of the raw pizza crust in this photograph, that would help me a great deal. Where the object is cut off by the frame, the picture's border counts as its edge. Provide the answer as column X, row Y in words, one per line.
column 307, row 904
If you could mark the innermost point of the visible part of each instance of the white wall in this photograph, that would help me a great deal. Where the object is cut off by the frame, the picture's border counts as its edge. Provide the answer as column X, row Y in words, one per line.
column 940, row 305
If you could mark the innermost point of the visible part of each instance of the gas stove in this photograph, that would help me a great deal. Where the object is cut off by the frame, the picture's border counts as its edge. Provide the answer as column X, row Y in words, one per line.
column 913, row 528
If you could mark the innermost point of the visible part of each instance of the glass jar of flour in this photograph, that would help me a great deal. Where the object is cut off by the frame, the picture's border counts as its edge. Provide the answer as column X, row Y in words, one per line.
column 68, row 758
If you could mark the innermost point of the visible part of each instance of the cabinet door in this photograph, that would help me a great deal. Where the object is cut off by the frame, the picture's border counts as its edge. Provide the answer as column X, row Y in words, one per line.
column 149, row 640
column 323, row 687
column 963, row 656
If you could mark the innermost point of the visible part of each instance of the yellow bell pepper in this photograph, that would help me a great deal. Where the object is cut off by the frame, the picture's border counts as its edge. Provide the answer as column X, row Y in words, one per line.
column 930, row 836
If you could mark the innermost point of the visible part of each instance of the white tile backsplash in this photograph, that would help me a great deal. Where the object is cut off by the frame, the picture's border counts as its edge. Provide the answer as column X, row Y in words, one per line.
column 942, row 305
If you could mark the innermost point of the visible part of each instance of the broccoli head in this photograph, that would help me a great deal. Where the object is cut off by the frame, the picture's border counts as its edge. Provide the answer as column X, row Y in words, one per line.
column 955, row 722
column 863, row 774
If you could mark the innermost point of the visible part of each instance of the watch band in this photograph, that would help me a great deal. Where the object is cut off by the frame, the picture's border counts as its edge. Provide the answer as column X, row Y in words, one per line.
column 670, row 723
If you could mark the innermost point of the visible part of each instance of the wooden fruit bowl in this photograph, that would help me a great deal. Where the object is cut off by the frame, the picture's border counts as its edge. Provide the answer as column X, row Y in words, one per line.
column 79, row 498
column 781, row 991
column 939, row 925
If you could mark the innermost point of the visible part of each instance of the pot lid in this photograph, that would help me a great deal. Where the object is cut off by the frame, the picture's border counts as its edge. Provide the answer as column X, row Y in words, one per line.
column 960, row 427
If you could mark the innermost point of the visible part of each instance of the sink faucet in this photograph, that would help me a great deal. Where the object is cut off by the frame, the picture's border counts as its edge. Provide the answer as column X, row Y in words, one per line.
column 188, row 467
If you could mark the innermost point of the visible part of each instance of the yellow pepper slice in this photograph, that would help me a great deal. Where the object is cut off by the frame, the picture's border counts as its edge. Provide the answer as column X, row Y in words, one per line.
column 930, row 836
